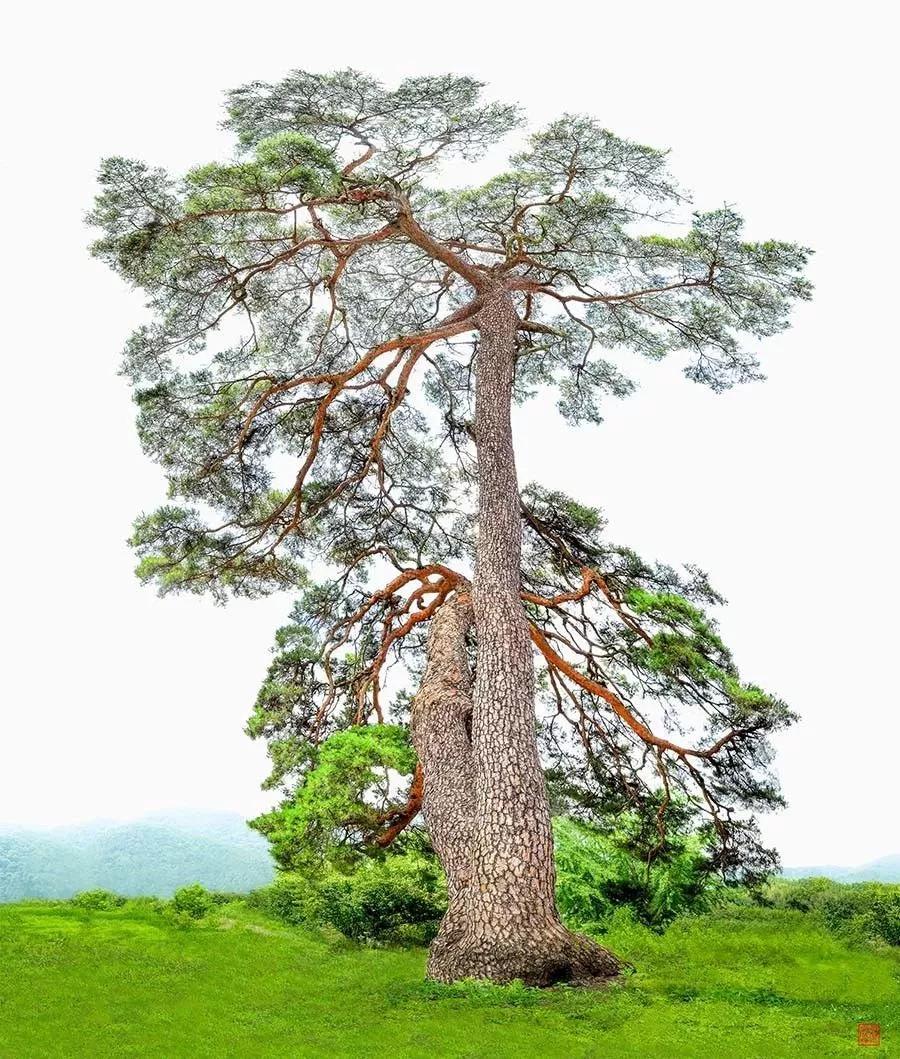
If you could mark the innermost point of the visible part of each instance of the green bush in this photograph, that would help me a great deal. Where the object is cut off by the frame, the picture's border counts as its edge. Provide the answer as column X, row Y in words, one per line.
column 292, row 898
column 800, row 895
column 402, row 896
column 871, row 910
column 194, row 901
column 862, row 911
column 597, row 873
column 98, row 900
column 396, row 898
column 225, row 897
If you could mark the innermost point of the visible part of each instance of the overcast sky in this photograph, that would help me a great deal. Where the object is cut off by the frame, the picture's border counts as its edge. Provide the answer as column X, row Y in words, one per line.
column 115, row 703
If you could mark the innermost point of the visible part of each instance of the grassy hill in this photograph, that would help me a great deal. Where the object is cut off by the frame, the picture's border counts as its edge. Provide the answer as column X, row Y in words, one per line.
column 745, row 983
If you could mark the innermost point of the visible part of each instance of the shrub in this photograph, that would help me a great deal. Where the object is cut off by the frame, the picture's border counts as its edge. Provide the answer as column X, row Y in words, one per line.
column 225, row 897
column 597, row 873
column 98, row 900
column 801, row 895
column 402, row 896
column 292, row 898
column 396, row 898
column 193, row 901
column 868, row 909
column 859, row 911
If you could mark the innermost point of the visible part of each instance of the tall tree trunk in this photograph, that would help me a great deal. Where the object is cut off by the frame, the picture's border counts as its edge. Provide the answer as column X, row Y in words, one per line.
column 504, row 923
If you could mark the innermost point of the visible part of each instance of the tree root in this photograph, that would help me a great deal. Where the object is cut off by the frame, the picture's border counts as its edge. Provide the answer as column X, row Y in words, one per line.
column 541, row 956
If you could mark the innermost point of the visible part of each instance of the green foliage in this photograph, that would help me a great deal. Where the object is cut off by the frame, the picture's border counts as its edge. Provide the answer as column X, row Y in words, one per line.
column 177, row 553
column 285, row 161
column 689, row 646
column 194, row 901
column 97, row 900
column 869, row 909
column 651, row 634
column 801, row 895
column 298, row 389
column 285, row 712
column 338, row 805
column 396, row 898
column 234, row 254
column 402, row 894
column 861, row 911
column 741, row 984
column 599, row 872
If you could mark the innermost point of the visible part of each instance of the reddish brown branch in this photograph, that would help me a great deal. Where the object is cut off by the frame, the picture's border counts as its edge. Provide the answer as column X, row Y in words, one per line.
column 590, row 577
column 414, row 610
column 618, row 707
column 404, row 816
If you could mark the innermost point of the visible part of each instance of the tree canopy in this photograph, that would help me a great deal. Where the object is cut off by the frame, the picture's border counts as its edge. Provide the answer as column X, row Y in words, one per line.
column 305, row 380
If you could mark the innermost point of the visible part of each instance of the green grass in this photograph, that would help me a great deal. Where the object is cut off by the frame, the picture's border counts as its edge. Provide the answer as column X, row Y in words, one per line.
column 742, row 984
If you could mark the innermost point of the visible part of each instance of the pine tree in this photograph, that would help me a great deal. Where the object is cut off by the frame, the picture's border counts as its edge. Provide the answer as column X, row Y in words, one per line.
column 335, row 345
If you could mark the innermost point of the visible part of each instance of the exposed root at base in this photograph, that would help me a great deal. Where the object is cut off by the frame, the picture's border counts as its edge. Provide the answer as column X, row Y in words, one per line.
column 548, row 956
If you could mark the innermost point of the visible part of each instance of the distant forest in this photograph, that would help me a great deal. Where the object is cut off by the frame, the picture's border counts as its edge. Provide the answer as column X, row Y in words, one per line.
column 152, row 856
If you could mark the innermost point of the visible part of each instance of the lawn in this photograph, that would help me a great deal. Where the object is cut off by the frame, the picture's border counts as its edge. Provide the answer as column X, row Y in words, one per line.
column 743, row 984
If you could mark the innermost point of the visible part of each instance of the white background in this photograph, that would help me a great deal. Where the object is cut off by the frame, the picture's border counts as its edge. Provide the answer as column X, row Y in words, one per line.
column 115, row 703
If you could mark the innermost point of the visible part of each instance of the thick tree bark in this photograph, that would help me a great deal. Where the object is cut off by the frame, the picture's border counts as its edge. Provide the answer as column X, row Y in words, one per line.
column 441, row 732
column 503, row 922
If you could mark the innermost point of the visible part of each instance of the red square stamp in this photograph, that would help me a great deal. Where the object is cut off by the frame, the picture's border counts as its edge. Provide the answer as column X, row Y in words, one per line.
column 868, row 1034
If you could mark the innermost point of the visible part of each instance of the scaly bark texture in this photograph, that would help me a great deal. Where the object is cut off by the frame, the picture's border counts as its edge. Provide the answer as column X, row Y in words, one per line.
column 441, row 731
column 504, row 923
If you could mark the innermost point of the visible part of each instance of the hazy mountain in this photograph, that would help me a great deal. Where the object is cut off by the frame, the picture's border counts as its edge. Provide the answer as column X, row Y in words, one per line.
column 885, row 869
column 154, row 855
column 160, row 852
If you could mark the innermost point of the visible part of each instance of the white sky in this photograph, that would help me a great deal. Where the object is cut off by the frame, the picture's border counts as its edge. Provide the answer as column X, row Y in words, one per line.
column 115, row 703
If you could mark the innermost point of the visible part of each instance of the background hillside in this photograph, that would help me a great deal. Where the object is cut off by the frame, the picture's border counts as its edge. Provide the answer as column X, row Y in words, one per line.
column 151, row 856
column 885, row 869
column 157, row 854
